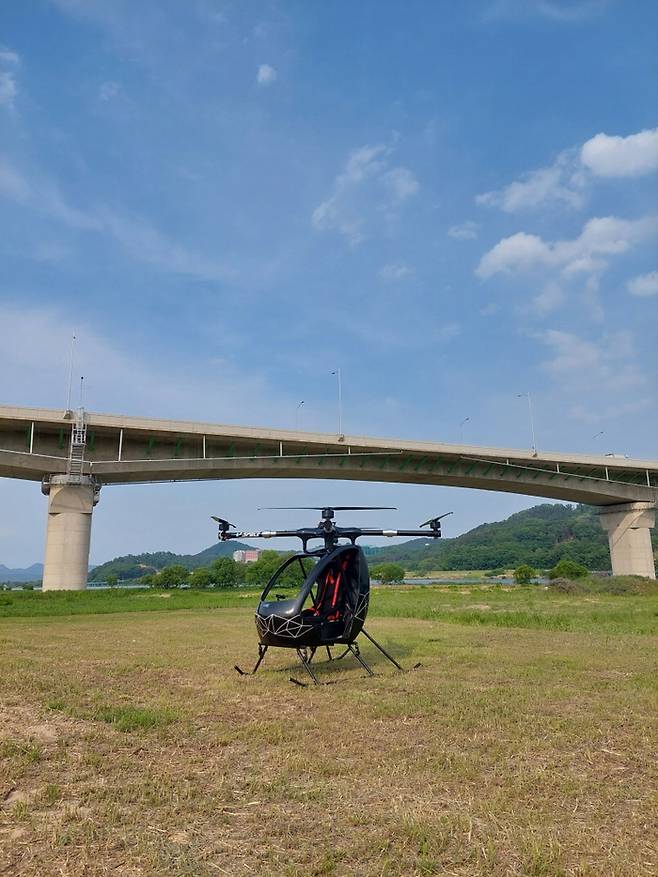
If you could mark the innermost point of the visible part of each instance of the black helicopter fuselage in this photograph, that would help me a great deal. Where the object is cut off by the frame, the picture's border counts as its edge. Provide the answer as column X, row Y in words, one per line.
column 333, row 582
column 330, row 607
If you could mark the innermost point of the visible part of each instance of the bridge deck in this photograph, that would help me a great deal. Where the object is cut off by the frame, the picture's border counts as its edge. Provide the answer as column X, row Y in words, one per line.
column 35, row 443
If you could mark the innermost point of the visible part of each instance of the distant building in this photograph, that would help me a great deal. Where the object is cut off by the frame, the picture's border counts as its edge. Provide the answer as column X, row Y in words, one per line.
column 250, row 555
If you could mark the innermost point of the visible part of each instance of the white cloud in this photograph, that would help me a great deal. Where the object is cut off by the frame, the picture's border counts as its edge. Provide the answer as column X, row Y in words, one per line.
column 600, row 237
column 394, row 272
column 567, row 180
column 118, row 377
column 559, row 182
column 447, row 332
column 561, row 11
column 644, row 285
column 266, row 75
column 519, row 252
column 630, row 156
column 549, row 299
column 135, row 235
column 366, row 185
column 108, row 90
column 9, row 57
column 465, row 231
column 402, row 183
column 601, row 367
column 12, row 184
column 148, row 245
column 8, row 89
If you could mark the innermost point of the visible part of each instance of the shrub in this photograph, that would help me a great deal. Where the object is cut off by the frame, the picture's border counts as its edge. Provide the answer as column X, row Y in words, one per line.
column 201, row 578
column 226, row 573
column 524, row 574
column 172, row 576
column 568, row 569
column 388, row 573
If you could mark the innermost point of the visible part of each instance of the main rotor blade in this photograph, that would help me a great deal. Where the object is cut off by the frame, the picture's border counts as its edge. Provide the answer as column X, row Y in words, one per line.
column 321, row 508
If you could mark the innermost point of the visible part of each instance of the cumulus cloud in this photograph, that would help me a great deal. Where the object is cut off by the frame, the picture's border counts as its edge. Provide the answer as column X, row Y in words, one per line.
column 600, row 238
column 580, row 365
column 557, row 265
column 367, row 185
column 266, row 75
column 465, row 231
column 559, row 183
column 566, row 181
column 629, row 156
column 644, row 285
column 394, row 272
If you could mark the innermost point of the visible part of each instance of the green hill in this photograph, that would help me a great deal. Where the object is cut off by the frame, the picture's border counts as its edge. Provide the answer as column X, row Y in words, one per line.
column 133, row 566
column 540, row 536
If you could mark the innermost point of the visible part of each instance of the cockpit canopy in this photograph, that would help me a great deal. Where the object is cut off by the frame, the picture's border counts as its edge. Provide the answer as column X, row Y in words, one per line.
column 332, row 593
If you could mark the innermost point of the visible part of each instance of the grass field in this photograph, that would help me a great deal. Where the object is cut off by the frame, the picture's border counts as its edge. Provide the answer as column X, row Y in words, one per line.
column 524, row 745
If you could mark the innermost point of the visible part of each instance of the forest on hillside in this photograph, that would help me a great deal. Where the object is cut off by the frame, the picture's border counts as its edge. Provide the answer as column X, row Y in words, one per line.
column 539, row 536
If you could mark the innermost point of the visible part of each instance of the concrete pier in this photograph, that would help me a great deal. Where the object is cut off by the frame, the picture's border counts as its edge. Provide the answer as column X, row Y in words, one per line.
column 71, row 500
column 628, row 526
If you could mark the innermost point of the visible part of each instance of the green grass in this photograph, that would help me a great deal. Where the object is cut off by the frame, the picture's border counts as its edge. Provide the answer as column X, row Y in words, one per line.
column 530, row 607
column 123, row 718
column 613, row 605
column 32, row 604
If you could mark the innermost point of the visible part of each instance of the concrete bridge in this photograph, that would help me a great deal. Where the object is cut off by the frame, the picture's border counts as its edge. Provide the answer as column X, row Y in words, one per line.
column 73, row 454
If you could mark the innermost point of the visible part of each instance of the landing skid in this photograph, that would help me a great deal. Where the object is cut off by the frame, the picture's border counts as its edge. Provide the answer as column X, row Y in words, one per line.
column 261, row 654
column 305, row 657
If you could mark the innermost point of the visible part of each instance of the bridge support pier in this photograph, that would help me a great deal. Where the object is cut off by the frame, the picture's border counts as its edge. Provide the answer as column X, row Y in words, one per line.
column 628, row 525
column 71, row 499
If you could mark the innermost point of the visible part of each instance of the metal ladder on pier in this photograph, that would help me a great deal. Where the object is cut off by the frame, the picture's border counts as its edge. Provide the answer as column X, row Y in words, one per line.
column 76, row 459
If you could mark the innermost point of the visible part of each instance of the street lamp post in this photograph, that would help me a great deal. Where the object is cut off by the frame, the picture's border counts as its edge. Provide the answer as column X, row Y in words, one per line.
column 461, row 428
column 340, row 400
column 532, row 421
column 297, row 412
column 70, row 382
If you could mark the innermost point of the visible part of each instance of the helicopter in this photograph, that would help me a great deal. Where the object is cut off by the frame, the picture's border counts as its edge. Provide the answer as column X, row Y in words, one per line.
column 331, row 605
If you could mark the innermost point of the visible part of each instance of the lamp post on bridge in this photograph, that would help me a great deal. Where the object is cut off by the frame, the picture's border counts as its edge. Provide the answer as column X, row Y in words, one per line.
column 461, row 428
column 532, row 421
column 338, row 374
column 297, row 413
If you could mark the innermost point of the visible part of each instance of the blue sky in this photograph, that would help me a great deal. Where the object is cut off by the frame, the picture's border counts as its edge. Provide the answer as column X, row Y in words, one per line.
column 453, row 202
